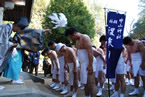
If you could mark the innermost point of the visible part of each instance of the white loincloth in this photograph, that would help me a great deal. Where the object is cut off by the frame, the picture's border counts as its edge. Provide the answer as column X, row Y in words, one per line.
column 71, row 74
column 51, row 69
column 55, row 69
column 84, row 62
column 141, row 72
column 62, row 70
column 128, row 67
column 77, row 59
column 136, row 60
column 99, row 66
column 120, row 68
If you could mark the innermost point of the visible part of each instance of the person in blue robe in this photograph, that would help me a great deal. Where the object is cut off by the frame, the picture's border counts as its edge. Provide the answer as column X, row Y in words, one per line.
column 14, row 66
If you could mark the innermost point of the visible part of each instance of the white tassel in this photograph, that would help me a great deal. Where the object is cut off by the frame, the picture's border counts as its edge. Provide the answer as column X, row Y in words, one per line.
column 59, row 21
column 14, row 52
column 1, row 14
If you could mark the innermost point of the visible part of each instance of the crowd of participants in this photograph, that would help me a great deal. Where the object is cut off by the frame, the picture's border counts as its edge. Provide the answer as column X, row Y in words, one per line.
column 85, row 65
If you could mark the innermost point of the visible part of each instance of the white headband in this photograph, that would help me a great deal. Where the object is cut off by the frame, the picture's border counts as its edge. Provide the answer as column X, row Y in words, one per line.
column 59, row 46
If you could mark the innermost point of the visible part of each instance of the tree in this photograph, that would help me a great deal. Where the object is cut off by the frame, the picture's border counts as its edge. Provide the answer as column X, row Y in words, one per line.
column 96, row 8
column 78, row 17
column 39, row 7
column 139, row 26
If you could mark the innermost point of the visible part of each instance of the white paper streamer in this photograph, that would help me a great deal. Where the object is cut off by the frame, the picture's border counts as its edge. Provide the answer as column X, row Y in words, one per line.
column 59, row 21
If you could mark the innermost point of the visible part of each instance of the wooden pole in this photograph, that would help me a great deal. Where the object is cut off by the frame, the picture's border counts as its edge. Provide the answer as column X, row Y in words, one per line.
column 105, row 30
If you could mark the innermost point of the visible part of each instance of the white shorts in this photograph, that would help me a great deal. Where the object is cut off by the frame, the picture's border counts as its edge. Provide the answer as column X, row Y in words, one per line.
column 71, row 74
column 136, row 59
column 84, row 62
column 141, row 72
column 53, row 76
column 55, row 68
column 62, row 70
column 120, row 68
column 99, row 66
column 128, row 67
column 51, row 69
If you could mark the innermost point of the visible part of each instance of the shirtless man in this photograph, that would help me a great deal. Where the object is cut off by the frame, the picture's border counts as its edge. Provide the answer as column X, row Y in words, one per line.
column 136, row 53
column 129, row 79
column 120, row 81
column 55, row 65
column 85, row 56
column 70, row 59
column 79, row 83
column 100, row 75
column 62, row 76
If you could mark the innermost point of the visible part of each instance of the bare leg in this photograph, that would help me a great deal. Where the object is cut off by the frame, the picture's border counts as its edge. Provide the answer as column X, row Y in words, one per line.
column 117, row 85
column 101, row 78
column 57, row 78
column 123, row 85
column 143, row 79
column 96, row 81
column 65, row 84
column 90, row 88
column 136, row 81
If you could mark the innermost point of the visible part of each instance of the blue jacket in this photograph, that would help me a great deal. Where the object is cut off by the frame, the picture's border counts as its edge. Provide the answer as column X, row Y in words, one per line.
column 35, row 58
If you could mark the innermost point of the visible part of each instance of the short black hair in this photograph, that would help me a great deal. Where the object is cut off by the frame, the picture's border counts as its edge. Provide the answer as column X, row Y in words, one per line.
column 127, row 40
column 70, row 31
column 69, row 45
column 103, row 38
column 51, row 43
column 45, row 50
column 94, row 46
column 101, row 47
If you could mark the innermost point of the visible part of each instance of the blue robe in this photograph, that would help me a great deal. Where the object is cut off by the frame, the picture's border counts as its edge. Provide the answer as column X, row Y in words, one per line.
column 14, row 66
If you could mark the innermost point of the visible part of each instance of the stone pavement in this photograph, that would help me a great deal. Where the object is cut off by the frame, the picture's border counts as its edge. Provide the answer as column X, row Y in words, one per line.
column 31, row 88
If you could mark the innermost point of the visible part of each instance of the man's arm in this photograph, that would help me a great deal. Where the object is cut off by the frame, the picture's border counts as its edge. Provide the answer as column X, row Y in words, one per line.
column 73, row 57
column 88, row 46
column 129, row 56
column 45, row 31
column 56, row 60
column 142, row 50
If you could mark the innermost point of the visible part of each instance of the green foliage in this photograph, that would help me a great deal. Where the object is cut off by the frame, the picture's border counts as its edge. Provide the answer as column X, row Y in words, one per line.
column 78, row 17
column 139, row 26
column 38, row 11
column 96, row 8
column 139, row 29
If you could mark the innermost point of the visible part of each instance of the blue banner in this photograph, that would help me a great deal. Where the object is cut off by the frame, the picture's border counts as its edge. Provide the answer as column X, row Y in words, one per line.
column 114, row 33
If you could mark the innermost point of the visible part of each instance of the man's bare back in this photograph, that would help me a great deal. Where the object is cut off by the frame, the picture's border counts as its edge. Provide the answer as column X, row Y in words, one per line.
column 70, row 53
column 135, row 47
column 80, row 44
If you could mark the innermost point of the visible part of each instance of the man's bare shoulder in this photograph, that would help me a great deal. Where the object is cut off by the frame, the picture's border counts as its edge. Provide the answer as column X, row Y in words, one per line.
column 69, row 49
column 85, row 36
column 100, row 50
column 54, row 53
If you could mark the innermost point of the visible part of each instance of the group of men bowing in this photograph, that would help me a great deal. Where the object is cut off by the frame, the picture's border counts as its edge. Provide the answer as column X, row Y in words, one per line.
column 89, row 63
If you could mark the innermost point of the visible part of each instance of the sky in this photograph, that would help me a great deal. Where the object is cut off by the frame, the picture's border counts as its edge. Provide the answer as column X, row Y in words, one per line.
column 129, row 6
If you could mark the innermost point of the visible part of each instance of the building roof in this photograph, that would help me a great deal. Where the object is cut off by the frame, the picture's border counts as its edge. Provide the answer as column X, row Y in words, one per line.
column 22, row 8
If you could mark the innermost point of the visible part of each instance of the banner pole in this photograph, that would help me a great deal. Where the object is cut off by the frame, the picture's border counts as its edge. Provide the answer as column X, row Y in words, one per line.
column 106, row 69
